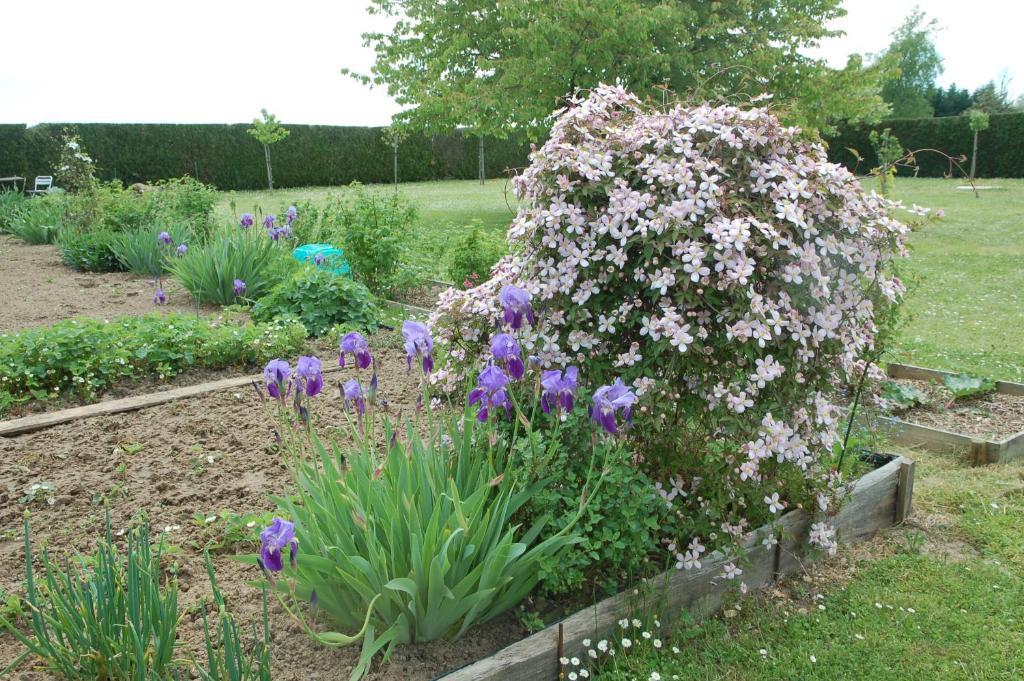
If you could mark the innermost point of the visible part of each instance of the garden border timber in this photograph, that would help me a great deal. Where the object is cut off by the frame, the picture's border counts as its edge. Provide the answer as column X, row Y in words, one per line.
column 980, row 451
column 877, row 500
column 29, row 424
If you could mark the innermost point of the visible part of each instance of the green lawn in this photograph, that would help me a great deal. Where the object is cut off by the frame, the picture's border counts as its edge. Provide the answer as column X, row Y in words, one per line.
column 951, row 583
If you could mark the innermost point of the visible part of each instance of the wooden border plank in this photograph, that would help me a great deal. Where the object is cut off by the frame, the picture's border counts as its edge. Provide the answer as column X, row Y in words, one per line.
column 48, row 419
column 914, row 435
column 916, row 373
column 904, row 491
column 411, row 309
column 1010, row 449
column 873, row 504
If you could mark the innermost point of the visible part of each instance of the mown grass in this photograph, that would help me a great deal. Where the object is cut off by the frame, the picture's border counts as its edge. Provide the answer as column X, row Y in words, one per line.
column 959, row 563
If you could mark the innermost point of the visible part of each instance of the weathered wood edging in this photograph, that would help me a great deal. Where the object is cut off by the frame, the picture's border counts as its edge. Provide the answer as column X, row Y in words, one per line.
column 877, row 500
column 980, row 450
column 28, row 424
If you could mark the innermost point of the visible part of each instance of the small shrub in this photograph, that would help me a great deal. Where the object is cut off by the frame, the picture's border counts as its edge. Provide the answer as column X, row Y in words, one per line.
column 319, row 299
column 89, row 251
column 377, row 227
column 86, row 356
column 10, row 203
column 184, row 199
column 141, row 251
column 416, row 542
column 38, row 221
column 110, row 617
column 209, row 271
column 472, row 258
column 320, row 222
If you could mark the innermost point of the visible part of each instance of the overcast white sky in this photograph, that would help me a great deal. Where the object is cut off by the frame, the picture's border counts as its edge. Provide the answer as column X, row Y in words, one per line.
column 220, row 61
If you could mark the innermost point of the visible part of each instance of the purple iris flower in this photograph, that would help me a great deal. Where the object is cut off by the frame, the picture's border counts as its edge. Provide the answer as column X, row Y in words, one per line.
column 506, row 351
column 182, row 249
column 276, row 375
column 308, row 376
column 516, row 304
column 165, row 238
column 247, row 220
column 355, row 344
column 490, row 391
column 608, row 400
column 559, row 389
column 291, row 215
column 239, row 288
column 418, row 343
column 319, row 259
column 273, row 540
column 159, row 297
column 268, row 222
column 352, row 393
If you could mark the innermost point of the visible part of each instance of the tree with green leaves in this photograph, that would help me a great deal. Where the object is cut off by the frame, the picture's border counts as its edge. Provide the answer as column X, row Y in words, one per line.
column 993, row 97
column 496, row 68
column 978, row 121
column 918, row 62
column 267, row 131
column 952, row 101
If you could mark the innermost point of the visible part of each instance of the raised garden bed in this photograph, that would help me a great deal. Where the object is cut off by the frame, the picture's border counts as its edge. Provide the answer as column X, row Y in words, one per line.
column 986, row 442
column 877, row 500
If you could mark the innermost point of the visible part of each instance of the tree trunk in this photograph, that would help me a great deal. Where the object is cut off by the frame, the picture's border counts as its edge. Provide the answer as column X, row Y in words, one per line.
column 270, row 174
column 974, row 156
column 395, row 148
column 481, row 160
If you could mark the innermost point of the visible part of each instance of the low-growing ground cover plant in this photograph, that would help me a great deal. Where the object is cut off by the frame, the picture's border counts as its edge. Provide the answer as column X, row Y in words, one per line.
column 716, row 262
column 89, row 251
column 963, row 386
column 84, row 357
column 319, row 299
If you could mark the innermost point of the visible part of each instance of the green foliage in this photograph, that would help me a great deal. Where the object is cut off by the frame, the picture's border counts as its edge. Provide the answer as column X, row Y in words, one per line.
column 619, row 527
column 902, row 395
column 109, row 617
column 472, row 257
column 208, row 271
column 228, row 658
column 377, row 230
column 227, row 530
column 141, row 252
column 38, row 220
column 528, row 55
column 977, row 120
column 997, row 148
column 224, row 155
column 419, row 538
column 268, row 130
column 952, row 101
column 888, row 150
column 994, row 98
column 913, row 51
column 320, row 222
column 89, row 251
column 962, row 385
column 86, row 356
column 318, row 299
column 75, row 172
column 10, row 203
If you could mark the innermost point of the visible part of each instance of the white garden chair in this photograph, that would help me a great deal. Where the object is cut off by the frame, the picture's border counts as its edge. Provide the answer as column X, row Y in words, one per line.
column 42, row 185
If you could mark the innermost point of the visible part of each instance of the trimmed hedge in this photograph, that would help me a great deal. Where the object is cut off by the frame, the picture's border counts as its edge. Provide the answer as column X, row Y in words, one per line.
column 1000, row 147
column 229, row 158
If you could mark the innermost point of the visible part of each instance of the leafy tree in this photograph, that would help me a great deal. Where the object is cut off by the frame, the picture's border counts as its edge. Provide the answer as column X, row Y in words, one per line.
column 498, row 67
column 267, row 131
column 978, row 121
column 914, row 53
column 994, row 98
column 952, row 101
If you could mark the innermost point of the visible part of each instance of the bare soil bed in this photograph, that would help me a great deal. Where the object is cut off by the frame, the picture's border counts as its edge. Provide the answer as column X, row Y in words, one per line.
column 196, row 456
column 994, row 416
column 39, row 290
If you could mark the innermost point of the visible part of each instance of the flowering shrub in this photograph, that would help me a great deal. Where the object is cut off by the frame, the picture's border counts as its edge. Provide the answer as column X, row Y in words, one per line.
column 721, row 266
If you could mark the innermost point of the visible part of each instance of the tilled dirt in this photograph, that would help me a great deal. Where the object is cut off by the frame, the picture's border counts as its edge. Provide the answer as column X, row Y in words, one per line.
column 994, row 416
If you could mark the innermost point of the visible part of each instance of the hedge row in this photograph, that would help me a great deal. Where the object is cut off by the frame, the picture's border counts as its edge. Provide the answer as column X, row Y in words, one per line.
column 229, row 158
column 1000, row 147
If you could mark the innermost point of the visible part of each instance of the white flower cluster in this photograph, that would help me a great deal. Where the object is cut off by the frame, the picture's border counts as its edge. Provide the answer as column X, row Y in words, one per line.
column 708, row 255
